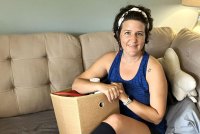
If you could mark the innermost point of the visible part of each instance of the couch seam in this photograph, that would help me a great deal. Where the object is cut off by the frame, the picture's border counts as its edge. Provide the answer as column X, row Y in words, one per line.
column 12, row 78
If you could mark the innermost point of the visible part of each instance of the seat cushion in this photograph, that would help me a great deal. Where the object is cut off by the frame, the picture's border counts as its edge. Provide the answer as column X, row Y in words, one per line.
column 37, row 123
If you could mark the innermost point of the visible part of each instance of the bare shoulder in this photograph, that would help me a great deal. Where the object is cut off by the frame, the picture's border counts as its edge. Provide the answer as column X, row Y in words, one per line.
column 100, row 67
column 154, row 64
column 111, row 54
column 155, row 73
column 108, row 57
column 154, row 69
column 105, row 60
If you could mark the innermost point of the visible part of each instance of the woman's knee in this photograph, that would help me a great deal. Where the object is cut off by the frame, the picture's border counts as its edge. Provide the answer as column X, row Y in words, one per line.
column 115, row 120
column 122, row 124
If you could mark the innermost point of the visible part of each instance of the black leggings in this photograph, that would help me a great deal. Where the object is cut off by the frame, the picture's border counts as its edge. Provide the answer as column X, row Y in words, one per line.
column 154, row 131
column 104, row 128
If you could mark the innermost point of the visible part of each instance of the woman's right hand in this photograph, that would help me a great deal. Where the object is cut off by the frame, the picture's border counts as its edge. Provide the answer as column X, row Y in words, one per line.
column 112, row 91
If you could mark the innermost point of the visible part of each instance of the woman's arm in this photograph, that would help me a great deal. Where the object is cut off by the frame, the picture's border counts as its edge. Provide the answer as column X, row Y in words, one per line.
column 99, row 69
column 158, row 94
column 82, row 83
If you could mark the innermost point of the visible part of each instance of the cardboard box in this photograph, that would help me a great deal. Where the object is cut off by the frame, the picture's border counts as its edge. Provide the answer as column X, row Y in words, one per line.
column 80, row 115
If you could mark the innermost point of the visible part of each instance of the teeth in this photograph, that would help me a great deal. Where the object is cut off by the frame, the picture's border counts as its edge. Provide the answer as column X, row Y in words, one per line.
column 132, row 45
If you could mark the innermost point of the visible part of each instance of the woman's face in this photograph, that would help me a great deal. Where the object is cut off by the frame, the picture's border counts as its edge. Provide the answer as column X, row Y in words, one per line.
column 132, row 37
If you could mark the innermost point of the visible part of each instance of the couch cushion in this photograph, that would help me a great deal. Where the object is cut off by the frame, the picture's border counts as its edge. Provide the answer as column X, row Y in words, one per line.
column 64, row 60
column 94, row 45
column 187, row 46
column 159, row 40
column 39, row 123
column 31, row 65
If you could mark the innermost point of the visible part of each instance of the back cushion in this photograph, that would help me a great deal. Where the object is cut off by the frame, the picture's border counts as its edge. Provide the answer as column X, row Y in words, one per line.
column 94, row 45
column 187, row 46
column 33, row 65
column 159, row 40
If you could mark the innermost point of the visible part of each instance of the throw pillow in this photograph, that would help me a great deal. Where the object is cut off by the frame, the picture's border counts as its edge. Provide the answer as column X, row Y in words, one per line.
column 182, row 84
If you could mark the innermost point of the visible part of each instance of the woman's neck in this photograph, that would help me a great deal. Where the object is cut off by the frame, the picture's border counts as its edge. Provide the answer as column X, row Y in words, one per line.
column 131, row 59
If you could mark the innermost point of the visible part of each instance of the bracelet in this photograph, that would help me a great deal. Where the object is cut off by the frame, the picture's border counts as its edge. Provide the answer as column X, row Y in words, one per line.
column 127, row 102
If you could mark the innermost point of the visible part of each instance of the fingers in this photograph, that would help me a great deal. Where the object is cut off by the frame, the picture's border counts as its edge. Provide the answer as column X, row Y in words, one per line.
column 112, row 94
column 114, row 91
column 119, row 87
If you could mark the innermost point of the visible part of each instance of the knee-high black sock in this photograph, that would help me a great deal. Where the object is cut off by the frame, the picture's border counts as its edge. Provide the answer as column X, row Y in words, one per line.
column 103, row 128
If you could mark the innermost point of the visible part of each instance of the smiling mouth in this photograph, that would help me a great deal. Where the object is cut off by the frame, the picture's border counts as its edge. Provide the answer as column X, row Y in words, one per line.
column 132, row 45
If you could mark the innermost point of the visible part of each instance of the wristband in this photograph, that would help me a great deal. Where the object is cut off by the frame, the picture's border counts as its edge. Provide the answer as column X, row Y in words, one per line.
column 127, row 102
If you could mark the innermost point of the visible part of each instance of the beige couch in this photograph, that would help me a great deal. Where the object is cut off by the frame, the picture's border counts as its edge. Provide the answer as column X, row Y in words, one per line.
column 34, row 65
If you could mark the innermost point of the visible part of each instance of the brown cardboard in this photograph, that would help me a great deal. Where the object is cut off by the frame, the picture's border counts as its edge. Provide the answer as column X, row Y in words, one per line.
column 80, row 115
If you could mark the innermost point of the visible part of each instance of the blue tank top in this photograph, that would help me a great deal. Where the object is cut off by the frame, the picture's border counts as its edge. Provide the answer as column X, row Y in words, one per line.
column 137, row 88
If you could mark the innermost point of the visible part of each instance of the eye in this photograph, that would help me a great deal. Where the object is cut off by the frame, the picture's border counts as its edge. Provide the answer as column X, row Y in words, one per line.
column 127, row 33
column 140, row 34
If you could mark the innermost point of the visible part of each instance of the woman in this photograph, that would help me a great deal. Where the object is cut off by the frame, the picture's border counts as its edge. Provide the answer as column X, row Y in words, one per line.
column 134, row 77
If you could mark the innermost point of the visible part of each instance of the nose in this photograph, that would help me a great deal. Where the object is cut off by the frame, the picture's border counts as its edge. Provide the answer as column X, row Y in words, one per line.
column 133, row 38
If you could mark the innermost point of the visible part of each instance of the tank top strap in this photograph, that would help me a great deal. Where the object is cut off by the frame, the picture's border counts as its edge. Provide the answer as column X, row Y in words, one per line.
column 117, row 59
column 143, row 64
column 115, row 65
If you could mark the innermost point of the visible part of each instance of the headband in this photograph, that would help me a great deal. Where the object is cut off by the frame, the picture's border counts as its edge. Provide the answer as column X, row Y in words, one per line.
column 132, row 9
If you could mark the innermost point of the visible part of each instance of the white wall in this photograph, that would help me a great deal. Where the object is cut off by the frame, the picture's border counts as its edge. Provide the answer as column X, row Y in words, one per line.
column 81, row 16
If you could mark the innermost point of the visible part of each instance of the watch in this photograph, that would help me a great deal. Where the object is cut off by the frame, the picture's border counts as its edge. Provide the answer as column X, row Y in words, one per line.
column 127, row 102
